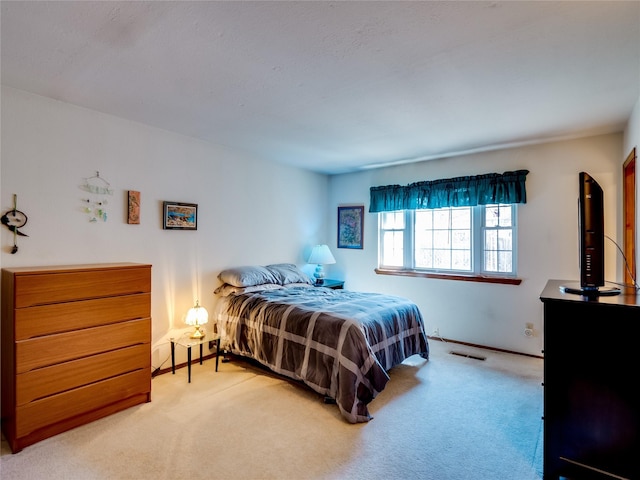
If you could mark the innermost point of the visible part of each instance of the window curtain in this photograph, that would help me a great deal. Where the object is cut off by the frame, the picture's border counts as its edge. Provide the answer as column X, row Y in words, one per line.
column 490, row 188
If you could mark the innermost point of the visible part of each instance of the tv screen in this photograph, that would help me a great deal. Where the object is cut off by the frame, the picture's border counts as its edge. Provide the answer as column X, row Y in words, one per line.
column 591, row 240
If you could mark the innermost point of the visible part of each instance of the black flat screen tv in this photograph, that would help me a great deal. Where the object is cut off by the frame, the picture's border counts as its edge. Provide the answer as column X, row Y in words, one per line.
column 591, row 240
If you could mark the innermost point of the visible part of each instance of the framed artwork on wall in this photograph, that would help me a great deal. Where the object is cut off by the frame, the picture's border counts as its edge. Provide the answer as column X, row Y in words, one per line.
column 134, row 207
column 350, row 226
column 179, row 216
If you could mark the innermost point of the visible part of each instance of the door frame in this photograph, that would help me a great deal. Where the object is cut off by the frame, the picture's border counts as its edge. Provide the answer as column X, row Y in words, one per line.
column 629, row 216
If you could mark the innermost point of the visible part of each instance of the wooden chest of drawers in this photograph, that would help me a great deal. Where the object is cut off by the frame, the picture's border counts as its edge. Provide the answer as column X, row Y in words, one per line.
column 76, row 346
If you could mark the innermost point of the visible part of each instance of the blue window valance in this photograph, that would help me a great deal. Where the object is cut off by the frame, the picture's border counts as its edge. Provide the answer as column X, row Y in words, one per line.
column 490, row 188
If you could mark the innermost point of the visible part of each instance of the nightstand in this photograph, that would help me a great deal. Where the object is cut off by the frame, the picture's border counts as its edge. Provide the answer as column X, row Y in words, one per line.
column 332, row 284
column 187, row 342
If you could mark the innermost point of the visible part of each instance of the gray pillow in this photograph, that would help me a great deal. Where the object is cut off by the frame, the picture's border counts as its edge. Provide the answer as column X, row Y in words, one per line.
column 247, row 276
column 288, row 273
column 225, row 289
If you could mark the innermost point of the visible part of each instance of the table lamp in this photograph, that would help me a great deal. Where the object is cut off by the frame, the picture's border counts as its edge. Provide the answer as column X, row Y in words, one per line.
column 197, row 316
column 320, row 255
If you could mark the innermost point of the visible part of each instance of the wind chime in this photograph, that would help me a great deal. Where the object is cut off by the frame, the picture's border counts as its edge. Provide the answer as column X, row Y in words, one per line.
column 13, row 220
column 96, row 206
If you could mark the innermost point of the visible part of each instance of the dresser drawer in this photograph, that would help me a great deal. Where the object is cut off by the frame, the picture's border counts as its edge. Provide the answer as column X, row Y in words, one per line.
column 63, row 317
column 43, row 382
column 47, row 411
column 42, row 288
column 62, row 347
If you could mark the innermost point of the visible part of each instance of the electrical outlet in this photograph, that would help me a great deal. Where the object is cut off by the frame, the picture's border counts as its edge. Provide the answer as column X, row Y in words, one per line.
column 528, row 330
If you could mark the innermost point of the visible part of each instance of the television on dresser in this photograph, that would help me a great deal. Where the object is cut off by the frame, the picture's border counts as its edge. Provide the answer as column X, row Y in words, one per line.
column 591, row 240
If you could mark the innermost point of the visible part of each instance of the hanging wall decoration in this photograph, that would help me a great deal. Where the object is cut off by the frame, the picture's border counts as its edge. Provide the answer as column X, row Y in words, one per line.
column 13, row 220
column 96, row 204
column 134, row 208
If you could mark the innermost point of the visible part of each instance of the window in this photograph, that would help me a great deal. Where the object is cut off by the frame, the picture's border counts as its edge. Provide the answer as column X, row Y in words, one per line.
column 476, row 240
column 463, row 228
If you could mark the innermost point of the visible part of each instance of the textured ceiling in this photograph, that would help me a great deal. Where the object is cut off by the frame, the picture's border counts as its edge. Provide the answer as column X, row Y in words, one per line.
column 336, row 86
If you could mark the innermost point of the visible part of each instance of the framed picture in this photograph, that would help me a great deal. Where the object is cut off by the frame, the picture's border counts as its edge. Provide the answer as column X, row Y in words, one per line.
column 179, row 216
column 134, row 207
column 350, row 226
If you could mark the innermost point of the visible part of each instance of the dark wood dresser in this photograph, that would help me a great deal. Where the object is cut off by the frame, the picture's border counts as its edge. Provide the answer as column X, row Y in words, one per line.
column 591, row 391
column 76, row 346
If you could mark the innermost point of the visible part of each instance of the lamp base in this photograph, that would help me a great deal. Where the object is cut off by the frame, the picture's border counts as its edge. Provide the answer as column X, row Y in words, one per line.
column 197, row 333
column 319, row 274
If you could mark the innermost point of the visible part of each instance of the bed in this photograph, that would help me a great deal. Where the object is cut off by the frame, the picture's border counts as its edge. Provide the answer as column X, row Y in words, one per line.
column 340, row 343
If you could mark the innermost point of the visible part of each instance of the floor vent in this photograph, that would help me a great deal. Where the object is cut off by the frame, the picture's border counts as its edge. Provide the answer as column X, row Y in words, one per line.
column 468, row 355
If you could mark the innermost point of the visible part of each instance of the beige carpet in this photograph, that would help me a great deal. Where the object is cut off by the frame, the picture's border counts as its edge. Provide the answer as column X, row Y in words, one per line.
column 452, row 418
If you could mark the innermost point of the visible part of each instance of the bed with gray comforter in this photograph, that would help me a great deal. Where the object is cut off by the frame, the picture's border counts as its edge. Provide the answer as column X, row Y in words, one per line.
column 338, row 342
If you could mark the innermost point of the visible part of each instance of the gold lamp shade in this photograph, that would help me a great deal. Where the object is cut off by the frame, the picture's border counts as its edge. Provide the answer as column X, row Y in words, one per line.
column 197, row 316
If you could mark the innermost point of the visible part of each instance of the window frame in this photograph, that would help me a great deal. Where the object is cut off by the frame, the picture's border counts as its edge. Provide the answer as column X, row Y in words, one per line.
column 478, row 271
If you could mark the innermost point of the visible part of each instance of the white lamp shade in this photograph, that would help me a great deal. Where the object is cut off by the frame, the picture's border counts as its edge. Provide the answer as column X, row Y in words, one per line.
column 321, row 255
column 197, row 315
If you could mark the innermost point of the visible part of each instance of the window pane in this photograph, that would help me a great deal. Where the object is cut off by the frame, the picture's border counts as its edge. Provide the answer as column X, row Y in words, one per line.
column 492, row 216
column 393, row 249
column 441, row 218
column 498, row 216
column 490, row 239
column 461, row 260
column 505, row 216
column 441, row 239
column 461, row 218
column 490, row 261
column 424, row 219
column 504, row 262
column 424, row 239
column 423, row 258
column 461, row 239
column 392, row 220
column 504, row 240
column 442, row 259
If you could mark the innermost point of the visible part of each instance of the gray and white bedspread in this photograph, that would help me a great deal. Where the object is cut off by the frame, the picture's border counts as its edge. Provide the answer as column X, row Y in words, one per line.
column 338, row 342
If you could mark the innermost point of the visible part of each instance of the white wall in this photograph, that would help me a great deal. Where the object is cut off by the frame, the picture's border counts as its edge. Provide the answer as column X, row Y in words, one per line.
column 482, row 313
column 632, row 131
column 249, row 212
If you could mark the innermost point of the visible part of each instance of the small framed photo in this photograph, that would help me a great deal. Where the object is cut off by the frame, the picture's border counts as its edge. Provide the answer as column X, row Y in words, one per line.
column 179, row 216
column 350, row 226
